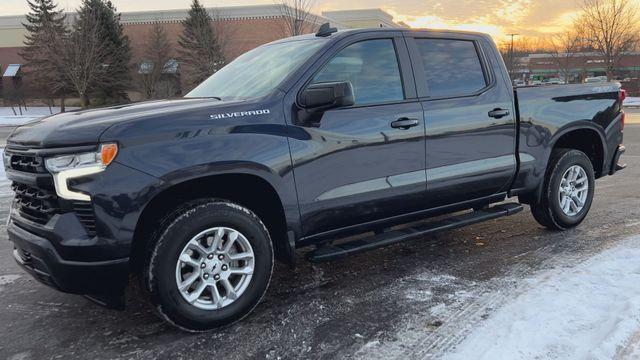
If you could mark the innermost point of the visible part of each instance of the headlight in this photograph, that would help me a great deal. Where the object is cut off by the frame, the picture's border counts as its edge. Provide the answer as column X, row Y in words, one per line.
column 73, row 166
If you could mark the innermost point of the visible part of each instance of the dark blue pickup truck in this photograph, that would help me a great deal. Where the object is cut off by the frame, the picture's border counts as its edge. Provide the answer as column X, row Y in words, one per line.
column 301, row 142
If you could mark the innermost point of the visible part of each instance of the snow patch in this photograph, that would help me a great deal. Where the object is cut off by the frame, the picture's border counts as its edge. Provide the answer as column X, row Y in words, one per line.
column 5, row 185
column 3, row 174
column 419, row 294
column 8, row 118
column 8, row 279
column 632, row 101
column 590, row 311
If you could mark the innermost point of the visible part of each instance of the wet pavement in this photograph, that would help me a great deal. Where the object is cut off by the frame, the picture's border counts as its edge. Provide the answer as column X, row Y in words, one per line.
column 416, row 299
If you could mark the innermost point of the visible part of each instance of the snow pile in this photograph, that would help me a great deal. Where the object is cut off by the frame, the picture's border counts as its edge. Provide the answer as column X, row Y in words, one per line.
column 5, row 184
column 632, row 101
column 3, row 174
column 8, row 118
column 591, row 311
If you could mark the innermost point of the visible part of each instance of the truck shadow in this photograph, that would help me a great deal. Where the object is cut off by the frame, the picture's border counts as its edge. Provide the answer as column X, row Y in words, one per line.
column 316, row 307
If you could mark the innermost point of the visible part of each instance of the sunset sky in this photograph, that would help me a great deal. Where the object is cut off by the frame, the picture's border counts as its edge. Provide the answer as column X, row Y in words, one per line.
column 496, row 17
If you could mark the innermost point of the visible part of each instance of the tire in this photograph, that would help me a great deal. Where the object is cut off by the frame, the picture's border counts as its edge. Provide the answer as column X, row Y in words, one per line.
column 204, row 222
column 548, row 208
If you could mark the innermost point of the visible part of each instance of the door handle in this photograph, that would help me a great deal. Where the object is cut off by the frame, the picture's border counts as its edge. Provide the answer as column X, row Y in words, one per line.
column 498, row 113
column 404, row 123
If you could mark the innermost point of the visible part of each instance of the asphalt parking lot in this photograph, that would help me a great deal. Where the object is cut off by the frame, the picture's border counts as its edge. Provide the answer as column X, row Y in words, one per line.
column 416, row 299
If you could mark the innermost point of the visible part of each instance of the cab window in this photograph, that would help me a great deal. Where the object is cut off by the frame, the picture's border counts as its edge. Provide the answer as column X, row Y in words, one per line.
column 452, row 67
column 372, row 68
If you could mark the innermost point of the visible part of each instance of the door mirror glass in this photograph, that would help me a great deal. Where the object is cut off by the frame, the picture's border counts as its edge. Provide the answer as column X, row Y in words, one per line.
column 326, row 96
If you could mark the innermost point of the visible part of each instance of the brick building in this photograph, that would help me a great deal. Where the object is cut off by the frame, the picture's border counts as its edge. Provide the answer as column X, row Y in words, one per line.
column 242, row 28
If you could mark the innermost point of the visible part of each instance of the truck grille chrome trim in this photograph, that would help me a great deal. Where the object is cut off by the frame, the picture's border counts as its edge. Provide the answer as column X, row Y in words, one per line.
column 35, row 205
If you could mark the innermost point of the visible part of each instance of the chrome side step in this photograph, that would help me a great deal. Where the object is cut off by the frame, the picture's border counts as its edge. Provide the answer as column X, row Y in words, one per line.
column 332, row 252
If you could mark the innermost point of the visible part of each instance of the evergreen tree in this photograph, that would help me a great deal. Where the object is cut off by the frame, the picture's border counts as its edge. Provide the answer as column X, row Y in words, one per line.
column 44, row 22
column 117, row 63
column 200, row 51
column 157, row 53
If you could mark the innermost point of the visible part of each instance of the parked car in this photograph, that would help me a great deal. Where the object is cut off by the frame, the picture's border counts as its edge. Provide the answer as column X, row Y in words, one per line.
column 596, row 79
column 536, row 82
column 519, row 83
column 299, row 143
column 554, row 81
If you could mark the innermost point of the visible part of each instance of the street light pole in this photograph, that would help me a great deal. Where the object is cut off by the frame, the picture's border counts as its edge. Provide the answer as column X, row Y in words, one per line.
column 511, row 57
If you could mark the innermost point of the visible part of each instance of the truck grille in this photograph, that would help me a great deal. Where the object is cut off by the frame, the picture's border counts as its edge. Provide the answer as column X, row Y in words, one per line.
column 36, row 205
column 40, row 204
column 28, row 163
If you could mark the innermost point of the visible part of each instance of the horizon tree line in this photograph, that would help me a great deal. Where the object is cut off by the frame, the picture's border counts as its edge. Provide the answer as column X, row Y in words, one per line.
column 610, row 28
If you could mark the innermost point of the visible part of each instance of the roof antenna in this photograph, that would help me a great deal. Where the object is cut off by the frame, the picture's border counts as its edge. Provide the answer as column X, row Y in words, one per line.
column 326, row 30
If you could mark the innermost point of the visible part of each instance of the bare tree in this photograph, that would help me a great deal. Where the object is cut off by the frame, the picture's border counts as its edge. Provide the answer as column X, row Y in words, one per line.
column 82, row 58
column 297, row 17
column 514, row 52
column 565, row 46
column 157, row 54
column 611, row 28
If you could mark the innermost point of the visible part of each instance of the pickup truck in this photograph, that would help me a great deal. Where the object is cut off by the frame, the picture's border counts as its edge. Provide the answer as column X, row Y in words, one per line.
column 305, row 141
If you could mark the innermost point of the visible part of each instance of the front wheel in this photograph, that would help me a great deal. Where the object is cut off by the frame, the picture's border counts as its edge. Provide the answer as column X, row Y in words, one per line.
column 209, row 266
column 567, row 192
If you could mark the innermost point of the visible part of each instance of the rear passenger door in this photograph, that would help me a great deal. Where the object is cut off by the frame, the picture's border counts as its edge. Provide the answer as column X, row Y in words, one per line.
column 469, row 116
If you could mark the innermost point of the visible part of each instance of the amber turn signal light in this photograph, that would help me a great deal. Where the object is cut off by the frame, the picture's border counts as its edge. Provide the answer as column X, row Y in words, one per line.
column 108, row 152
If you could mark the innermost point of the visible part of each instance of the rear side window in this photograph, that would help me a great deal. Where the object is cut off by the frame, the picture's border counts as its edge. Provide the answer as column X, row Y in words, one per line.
column 452, row 67
column 372, row 68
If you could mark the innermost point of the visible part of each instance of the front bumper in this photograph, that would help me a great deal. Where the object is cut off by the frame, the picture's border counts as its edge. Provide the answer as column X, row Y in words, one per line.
column 81, row 247
column 38, row 257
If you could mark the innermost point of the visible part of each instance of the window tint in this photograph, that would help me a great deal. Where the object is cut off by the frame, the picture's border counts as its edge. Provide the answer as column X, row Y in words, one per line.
column 371, row 67
column 452, row 67
column 257, row 72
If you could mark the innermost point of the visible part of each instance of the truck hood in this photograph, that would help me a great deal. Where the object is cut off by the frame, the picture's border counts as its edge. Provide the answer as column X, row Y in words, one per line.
column 85, row 127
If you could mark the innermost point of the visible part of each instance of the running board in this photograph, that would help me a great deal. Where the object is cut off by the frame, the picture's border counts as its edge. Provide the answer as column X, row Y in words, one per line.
column 332, row 252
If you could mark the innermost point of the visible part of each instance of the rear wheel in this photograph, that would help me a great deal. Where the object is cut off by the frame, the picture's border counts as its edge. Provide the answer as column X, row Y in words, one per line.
column 567, row 192
column 210, row 265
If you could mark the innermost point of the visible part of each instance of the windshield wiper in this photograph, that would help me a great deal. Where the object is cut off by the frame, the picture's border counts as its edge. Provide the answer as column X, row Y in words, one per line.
column 203, row 97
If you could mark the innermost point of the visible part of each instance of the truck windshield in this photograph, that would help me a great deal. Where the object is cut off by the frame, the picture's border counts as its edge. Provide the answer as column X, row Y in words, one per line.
column 257, row 72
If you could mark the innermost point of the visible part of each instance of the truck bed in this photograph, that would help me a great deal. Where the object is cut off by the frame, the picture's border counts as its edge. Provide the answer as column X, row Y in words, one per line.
column 545, row 112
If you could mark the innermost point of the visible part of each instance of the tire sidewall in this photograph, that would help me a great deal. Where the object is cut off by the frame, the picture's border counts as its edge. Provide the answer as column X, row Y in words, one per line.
column 569, row 159
column 162, row 265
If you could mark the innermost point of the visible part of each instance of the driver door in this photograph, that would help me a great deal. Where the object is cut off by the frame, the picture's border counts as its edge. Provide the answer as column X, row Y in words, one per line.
column 365, row 162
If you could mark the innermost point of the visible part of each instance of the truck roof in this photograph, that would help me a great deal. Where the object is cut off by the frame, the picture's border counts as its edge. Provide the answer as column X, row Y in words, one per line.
column 347, row 32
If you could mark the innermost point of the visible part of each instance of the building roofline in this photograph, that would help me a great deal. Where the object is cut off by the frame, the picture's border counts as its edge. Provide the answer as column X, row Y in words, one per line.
column 176, row 15
column 578, row 54
column 376, row 14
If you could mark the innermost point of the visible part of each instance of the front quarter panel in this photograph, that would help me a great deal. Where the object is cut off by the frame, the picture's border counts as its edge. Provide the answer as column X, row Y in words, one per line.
column 247, row 138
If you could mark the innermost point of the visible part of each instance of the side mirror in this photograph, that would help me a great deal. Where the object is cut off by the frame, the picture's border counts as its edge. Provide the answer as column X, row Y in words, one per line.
column 326, row 96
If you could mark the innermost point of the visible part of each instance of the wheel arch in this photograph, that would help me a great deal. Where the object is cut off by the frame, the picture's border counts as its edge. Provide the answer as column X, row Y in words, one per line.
column 258, row 194
column 573, row 137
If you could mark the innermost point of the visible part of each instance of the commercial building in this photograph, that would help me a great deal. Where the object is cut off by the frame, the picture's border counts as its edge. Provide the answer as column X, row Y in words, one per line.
column 242, row 28
column 579, row 66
